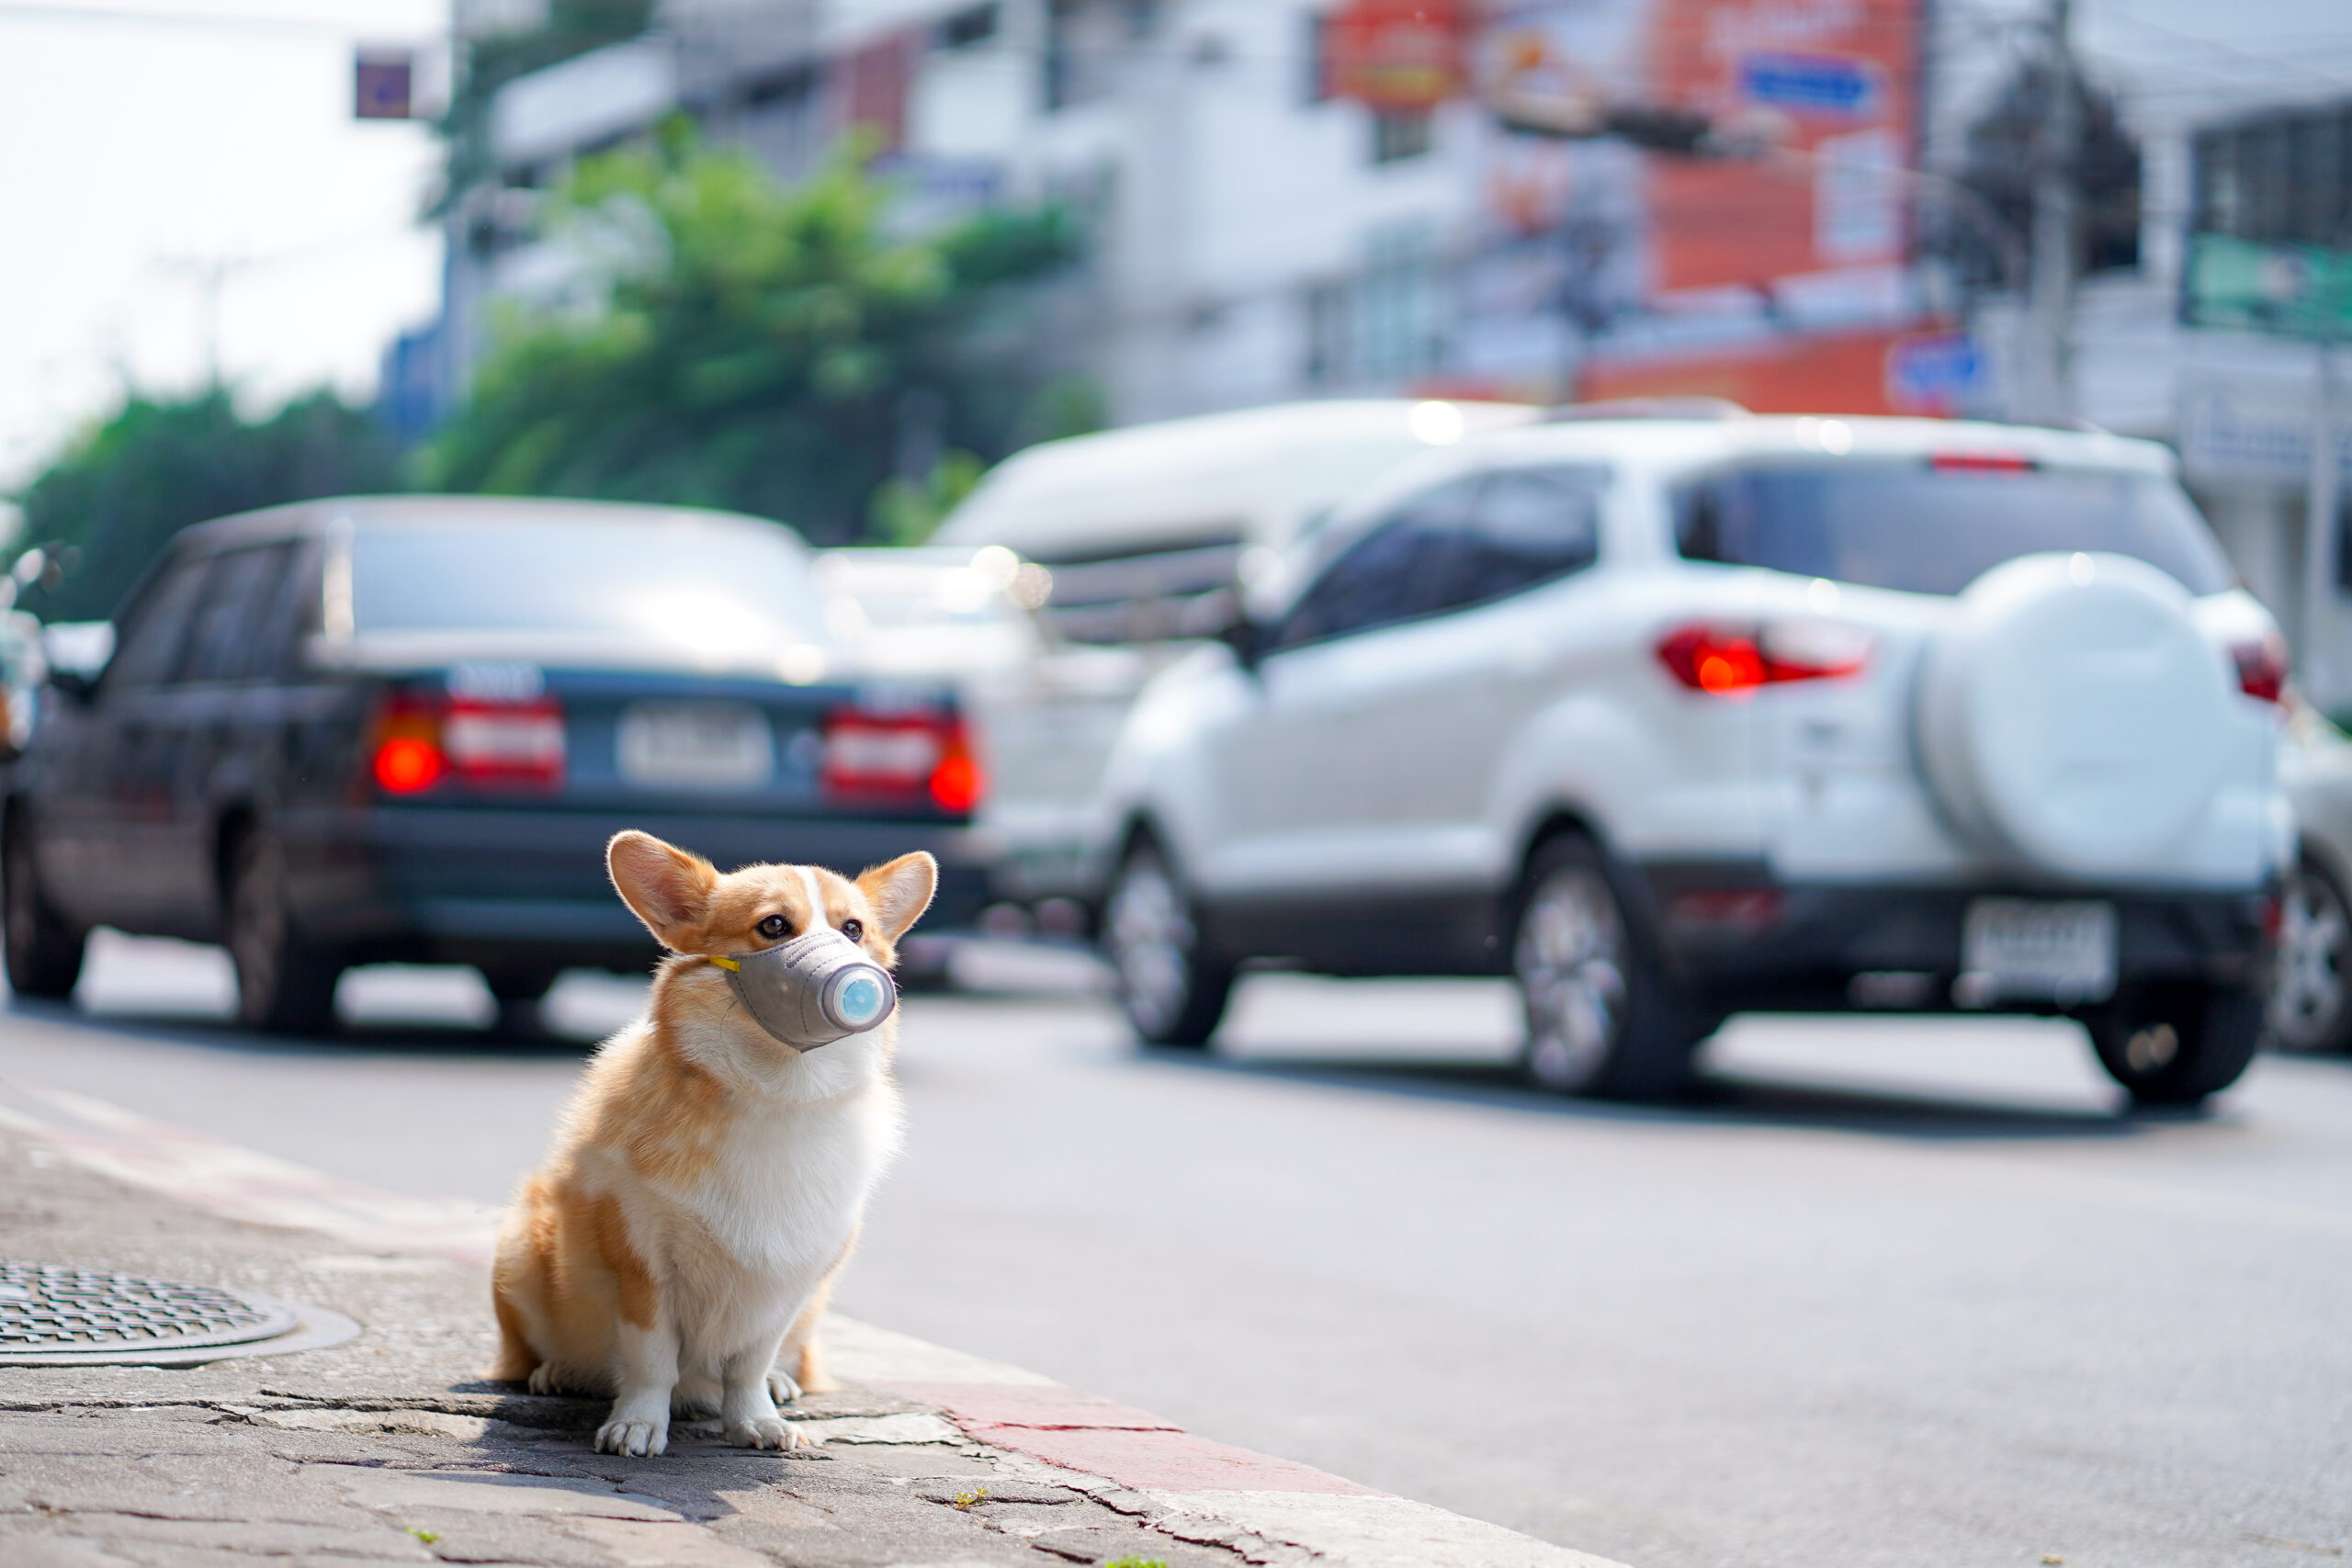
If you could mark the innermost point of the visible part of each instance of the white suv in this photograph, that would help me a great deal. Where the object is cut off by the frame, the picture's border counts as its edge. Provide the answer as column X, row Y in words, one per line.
column 1676, row 717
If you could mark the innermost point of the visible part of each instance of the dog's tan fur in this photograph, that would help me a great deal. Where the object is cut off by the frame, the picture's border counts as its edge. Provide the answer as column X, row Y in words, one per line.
column 706, row 1183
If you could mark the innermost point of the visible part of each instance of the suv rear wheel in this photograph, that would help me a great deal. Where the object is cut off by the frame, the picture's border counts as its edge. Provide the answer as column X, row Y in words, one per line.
column 1172, row 990
column 2173, row 1042
column 44, row 953
column 284, row 984
column 1600, row 1019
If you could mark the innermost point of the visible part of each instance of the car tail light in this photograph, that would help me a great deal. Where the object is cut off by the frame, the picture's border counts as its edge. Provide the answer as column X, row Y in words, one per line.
column 408, row 746
column 420, row 740
column 2262, row 667
column 1731, row 659
column 901, row 756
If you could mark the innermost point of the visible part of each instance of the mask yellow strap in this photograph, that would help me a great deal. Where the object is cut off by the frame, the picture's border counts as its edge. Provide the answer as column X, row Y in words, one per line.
column 728, row 964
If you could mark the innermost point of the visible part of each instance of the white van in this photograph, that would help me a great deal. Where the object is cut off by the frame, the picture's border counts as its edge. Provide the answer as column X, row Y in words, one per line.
column 1147, row 533
column 1145, row 529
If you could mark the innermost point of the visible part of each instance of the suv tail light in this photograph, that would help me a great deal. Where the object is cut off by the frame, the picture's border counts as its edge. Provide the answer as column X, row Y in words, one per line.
column 2262, row 668
column 1731, row 659
column 420, row 740
column 901, row 756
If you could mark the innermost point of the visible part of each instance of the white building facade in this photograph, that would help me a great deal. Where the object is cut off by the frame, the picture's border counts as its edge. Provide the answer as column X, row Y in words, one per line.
column 1255, row 239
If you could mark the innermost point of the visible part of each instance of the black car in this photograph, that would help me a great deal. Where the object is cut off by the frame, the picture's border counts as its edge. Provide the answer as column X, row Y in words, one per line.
column 379, row 729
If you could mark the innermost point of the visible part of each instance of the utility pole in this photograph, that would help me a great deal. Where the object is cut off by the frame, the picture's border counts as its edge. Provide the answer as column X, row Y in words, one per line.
column 2323, row 502
column 2049, row 316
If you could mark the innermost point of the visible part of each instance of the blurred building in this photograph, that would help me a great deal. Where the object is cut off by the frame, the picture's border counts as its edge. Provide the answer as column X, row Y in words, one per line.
column 1279, row 212
column 1308, row 198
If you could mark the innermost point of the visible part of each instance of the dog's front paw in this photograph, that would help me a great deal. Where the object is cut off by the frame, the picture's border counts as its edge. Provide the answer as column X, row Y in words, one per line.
column 638, row 1440
column 781, row 1388
column 766, row 1432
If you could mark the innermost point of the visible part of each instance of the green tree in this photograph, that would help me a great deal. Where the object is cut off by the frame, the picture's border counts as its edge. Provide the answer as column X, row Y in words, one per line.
column 770, row 349
column 107, row 504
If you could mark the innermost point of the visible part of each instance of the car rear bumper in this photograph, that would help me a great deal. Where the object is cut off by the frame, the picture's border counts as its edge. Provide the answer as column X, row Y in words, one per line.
column 1743, row 940
column 473, row 885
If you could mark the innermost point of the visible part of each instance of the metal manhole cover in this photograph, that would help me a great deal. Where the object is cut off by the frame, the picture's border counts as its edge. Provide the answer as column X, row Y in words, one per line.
column 47, row 1307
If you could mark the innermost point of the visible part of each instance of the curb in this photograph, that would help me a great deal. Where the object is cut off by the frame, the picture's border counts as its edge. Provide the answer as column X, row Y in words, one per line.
column 1267, row 1510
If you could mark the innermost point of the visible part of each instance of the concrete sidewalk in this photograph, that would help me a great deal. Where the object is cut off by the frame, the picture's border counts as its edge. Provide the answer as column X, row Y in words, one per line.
column 386, row 1446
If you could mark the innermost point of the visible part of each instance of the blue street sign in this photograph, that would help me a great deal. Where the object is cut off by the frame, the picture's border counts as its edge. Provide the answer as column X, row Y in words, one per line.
column 1810, row 83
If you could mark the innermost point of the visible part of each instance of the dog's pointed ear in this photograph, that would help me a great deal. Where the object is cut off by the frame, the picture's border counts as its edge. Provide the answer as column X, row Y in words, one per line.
column 663, row 885
column 900, row 891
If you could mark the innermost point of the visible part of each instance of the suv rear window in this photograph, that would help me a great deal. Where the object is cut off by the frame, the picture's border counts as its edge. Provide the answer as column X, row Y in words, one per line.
column 697, row 581
column 1927, row 530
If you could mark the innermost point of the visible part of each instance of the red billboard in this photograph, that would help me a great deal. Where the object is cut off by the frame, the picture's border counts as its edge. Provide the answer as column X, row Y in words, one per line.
column 1830, row 85
column 1396, row 54
column 1768, row 263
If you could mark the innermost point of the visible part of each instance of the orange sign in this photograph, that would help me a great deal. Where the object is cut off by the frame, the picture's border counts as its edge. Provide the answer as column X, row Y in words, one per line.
column 1397, row 55
column 1830, row 85
column 1832, row 373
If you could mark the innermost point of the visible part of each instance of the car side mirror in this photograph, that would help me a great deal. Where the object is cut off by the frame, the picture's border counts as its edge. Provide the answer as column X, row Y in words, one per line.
column 77, row 685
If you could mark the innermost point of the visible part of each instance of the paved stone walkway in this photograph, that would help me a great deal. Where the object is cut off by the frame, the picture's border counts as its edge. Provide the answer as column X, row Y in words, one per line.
column 388, row 1446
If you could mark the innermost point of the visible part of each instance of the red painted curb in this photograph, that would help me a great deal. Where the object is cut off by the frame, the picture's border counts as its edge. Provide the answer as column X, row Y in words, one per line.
column 1165, row 1461
column 1079, row 1432
column 1045, row 1405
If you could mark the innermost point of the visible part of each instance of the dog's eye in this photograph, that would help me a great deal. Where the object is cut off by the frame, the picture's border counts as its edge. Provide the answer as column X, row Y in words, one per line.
column 771, row 927
column 855, row 930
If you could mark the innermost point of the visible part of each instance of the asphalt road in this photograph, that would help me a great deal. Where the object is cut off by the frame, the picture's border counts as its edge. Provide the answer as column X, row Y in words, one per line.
column 1893, row 1292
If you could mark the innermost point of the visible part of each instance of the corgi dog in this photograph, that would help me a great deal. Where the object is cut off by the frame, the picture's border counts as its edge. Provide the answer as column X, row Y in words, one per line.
column 708, row 1179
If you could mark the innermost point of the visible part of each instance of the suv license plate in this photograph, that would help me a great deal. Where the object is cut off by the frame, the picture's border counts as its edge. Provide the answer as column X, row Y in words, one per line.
column 695, row 746
column 2026, row 949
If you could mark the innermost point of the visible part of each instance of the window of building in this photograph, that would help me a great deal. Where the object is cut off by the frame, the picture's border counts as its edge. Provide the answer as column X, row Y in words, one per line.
column 1400, row 134
column 2282, row 178
column 1085, row 42
column 1385, row 323
column 791, row 84
column 1315, row 58
column 1068, row 79
column 1396, row 306
column 1327, row 306
column 976, row 24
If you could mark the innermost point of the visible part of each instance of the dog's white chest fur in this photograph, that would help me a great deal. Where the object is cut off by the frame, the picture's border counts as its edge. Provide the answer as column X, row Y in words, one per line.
column 785, row 1193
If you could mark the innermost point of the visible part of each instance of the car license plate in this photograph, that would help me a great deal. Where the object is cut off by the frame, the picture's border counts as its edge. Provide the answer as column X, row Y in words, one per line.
column 695, row 746
column 2029, row 949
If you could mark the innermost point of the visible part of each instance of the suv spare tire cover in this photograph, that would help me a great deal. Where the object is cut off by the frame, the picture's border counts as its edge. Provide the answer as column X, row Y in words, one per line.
column 2073, row 715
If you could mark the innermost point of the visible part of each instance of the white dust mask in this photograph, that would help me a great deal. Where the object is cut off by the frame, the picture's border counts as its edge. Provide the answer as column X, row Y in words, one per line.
column 817, row 988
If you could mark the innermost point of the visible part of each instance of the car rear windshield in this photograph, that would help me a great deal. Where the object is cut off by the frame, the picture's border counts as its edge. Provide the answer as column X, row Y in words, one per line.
column 695, row 582
column 1925, row 529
